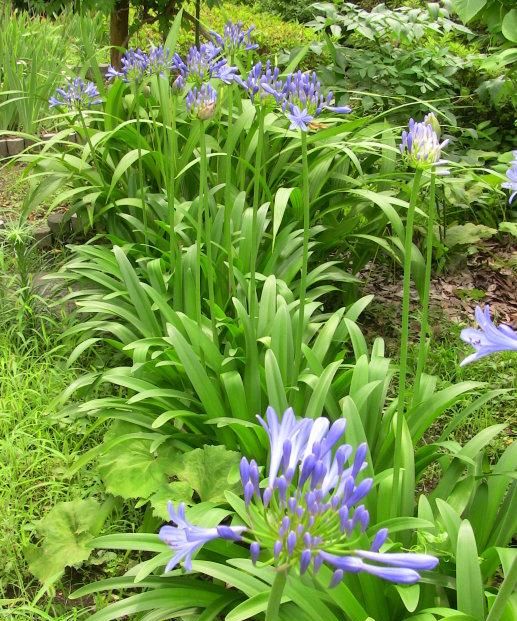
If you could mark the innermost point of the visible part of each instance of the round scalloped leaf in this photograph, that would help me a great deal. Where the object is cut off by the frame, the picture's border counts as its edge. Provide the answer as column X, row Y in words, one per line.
column 129, row 468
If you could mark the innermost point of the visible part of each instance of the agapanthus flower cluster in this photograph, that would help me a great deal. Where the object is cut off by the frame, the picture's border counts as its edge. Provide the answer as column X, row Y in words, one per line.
column 234, row 38
column 161, row 61
column 204, row 63
column 262, row 83
column 310, row 512
column 421, row 146
column 490, row 338
column 137, row 65
column 302, row 100
column 134, row 67
column 76, row 95
column 511, row 175
column 201, row 102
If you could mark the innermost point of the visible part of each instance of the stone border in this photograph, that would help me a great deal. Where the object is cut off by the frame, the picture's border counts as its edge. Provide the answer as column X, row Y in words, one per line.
column 11, row 146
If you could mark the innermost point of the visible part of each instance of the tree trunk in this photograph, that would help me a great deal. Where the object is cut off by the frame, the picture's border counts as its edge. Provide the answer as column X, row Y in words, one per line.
column 119, row 30
column 198, row 21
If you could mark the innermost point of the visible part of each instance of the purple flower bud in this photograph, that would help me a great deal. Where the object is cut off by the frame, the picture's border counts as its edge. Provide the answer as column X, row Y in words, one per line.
column 360, row 454
column 343, row 517
column 285, row 525
column 291, row 542
column 318, row 562
column 306, row 471
column 318, row 473
column 179, row 84
column 292, row 503
column 305, row 561
column 277, row 549
column 393, row 574
column 289, row 474
column 360, row 491
column 379, row 539
column 254, row 474
column 335, row 432
column 226, row 532
column 337, row 576
column 281, row 485
column 361, row 517
column 410, row 560
column 268, row 493
column 348, row 489
column 342, row 455
column 249, row 490
column 254, row 552
column 244, row 469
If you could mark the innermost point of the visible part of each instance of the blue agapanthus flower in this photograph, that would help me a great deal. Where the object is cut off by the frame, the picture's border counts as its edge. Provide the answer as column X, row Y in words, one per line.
column 511, row 174
column 134, row 67
column 234, row 38
column 204, row 63
column 76, row 95
column 161, row 61
column 301, row 98
column 262, row 84
column 186, row 538
column 421, row 146
column 310, row 510
column 201, row 102
column 489, row 339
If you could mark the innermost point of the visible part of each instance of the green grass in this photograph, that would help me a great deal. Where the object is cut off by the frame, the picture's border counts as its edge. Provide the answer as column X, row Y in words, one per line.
column 496, row 371
column 35, row 453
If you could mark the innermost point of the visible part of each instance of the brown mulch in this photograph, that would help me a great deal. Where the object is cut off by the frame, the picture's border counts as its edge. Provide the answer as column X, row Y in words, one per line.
column 486, row 277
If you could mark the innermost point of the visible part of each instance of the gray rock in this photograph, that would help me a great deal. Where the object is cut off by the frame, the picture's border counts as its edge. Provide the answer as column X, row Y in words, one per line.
column 3, row 148
column 58, row 224
column 15, row 146
column 43, row 237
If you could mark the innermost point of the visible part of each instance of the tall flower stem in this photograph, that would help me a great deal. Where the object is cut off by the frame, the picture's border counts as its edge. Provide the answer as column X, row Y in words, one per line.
column 275, row 596
column 252, row 376
column 256, row 205
column 305, row 252
column 174, row 247
column 404, row 341
column 140, row 167
column 204, row 210
column 424, row 325
column 228, row 194
column 88, row 140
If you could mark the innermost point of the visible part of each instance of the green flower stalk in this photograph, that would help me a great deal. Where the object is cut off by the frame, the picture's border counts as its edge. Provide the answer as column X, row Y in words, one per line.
column 305, row 252
column 201, row 103
column 421, row 149
column 424, row 322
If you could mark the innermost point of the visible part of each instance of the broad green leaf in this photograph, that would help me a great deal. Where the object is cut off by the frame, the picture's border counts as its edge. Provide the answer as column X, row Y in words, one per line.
column 174, row 600
column 129, row 469
column 66, row 532
column 509, row 28
column 176, row 492
column 469, row 585
column 206, row 470
column 410, row 595
column 251, row 607
column 468, row 9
